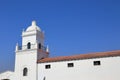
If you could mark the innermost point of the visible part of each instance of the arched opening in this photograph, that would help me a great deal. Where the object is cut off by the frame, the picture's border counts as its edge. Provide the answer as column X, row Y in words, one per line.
column 44, row 78
column 25, row 72
column 5, row 79
column 29, row 45
column 40, row 46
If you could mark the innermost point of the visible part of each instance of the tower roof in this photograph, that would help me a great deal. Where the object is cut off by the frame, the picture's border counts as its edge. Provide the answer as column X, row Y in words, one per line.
column 33, row 27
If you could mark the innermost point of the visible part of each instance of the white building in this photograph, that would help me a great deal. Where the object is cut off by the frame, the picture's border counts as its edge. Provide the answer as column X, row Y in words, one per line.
column 32, row 62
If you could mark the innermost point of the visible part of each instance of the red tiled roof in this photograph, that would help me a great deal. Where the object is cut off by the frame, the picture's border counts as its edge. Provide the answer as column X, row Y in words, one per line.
column 81, row 56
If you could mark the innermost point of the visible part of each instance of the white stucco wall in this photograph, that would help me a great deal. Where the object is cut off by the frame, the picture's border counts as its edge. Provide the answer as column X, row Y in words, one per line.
column 32, row 36
column 7, row 75
column 26, row 59
column 82, row 70
column 31, row 39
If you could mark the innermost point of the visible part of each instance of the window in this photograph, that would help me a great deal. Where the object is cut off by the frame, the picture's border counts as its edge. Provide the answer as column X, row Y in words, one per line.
column 25, row 71
column 70, row 65
column 47, row 66
column 39, row 45
column 42, row 58
column 96, row 63
column 29, row 45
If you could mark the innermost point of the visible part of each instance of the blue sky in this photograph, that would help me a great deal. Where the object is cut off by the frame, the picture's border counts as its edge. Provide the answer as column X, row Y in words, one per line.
column 71, row 26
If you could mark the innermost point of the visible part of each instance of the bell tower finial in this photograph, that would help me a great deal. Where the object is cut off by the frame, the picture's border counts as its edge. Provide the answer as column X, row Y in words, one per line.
column 34, row 23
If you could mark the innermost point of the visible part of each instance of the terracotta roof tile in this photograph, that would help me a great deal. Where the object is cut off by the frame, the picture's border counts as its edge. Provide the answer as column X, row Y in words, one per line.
column 81, row 56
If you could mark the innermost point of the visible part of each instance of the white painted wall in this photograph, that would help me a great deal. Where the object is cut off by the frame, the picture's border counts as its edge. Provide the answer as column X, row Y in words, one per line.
column 26, row 59
column 26, row 39
column 82, row 70
column 32, row 36
column 40, row 37
column 7, row 75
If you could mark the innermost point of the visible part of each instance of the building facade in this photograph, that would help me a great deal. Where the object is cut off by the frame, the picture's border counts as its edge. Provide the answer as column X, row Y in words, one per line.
column 32, row 62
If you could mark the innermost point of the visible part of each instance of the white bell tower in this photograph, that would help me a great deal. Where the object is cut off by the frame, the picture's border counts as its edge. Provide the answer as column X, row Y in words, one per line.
column 31, row 50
